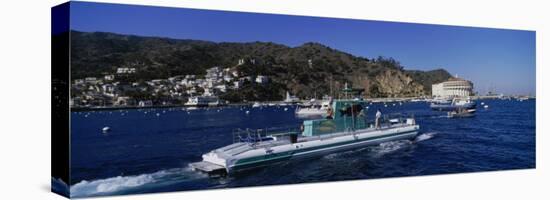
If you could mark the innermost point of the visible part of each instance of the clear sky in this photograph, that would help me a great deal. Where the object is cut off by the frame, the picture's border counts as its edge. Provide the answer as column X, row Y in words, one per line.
column 496, row 59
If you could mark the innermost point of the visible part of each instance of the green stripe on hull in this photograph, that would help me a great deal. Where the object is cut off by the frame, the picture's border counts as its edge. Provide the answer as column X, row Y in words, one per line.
column 262, row 158
column 277, row 157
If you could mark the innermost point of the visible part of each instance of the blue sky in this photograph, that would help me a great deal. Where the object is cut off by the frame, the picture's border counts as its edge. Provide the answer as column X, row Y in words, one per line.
column 497, row 59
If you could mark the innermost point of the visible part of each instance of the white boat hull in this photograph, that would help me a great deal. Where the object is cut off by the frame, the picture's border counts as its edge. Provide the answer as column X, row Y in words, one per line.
column 242, row 156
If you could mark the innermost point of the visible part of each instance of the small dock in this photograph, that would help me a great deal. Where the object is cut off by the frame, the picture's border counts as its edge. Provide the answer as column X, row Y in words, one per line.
column 208, row 167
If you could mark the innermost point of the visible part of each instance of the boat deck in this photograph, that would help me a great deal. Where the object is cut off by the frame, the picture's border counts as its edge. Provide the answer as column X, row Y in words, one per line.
column 265, row 144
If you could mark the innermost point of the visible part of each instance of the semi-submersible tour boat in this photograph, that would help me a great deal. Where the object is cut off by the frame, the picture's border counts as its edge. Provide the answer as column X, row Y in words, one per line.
column 345, row 128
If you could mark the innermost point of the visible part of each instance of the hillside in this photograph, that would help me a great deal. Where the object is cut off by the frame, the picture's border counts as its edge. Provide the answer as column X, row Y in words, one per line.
column 97, row 54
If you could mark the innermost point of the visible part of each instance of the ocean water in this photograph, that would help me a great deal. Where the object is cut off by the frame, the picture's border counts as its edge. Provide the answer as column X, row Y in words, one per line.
column 148, row 150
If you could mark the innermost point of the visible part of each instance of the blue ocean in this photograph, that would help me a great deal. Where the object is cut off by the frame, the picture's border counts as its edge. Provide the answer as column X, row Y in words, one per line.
column 148, row 150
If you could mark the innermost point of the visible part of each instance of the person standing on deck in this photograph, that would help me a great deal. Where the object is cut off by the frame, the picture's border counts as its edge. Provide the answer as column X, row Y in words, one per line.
column 329, row 114
column 377, row 120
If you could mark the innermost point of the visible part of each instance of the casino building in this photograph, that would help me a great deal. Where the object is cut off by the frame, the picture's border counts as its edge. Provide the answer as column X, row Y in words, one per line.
column 454, row 87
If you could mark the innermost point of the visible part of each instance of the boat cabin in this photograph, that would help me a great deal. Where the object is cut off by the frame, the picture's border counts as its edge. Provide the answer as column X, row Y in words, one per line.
column 345, row 115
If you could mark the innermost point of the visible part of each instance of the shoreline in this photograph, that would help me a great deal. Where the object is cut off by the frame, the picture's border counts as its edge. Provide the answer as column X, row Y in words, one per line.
column 84, row 109
column 374, row 100
column 101, row 108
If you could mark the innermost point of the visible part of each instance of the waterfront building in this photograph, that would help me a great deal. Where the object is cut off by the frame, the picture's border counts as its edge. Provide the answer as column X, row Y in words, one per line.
column 109, row 77
column 235, row 73
column 190, row 76
column 227, row 78
column 454, row 87
column 261, row 79
column 176, row 79
column 125, row 70
column 221, row 88
column 91, row 80
column 144, row 103
column 237, row 84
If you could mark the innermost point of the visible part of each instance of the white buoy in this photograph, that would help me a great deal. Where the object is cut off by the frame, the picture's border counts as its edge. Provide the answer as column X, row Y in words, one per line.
column 106, row 129
column 158, row 114
column 247, row 112
column 482, row 103
column 385, row 105
column 486, row 106
column 286, row 109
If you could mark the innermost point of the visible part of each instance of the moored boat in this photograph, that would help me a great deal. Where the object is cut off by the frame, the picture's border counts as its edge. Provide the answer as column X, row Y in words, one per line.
column 456, row 103
column 199, row 101
column 313, row 110
column 461, row 113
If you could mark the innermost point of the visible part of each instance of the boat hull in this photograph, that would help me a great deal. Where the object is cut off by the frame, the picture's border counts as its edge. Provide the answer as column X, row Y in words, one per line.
column 240, row 157
column 450, row 107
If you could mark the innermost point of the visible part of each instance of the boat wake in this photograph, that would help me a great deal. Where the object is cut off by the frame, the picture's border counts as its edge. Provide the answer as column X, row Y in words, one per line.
column 439, row 116
column 425, row 136
column 393, row 146
column 120, row 184
column 385, row 147
column 389, row 147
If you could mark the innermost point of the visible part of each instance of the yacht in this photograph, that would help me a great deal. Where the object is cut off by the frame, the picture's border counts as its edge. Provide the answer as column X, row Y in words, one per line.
column 200, row 101
column 454, row 104
column 314, row 109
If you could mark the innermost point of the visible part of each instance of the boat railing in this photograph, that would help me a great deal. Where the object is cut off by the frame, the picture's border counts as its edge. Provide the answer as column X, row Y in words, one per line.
column 261, row 135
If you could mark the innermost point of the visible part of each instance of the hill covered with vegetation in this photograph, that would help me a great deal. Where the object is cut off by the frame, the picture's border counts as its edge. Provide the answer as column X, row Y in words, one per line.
column 308, row 70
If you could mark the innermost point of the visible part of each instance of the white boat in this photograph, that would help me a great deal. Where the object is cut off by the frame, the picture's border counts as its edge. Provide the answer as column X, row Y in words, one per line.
column 461, row 113
column 346, row 129
column 523, row 98
column 291, row 99
column 313, row 110
column 450, row 105
column 199, row 101
column 106, row 129
column 256, row 105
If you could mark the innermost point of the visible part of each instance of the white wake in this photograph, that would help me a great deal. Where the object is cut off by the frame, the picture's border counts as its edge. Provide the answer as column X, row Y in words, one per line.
column 117, row 184
column 425, row 136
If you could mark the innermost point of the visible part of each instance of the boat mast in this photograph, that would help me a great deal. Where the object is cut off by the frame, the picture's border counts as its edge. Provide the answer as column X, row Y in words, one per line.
column 330, row 85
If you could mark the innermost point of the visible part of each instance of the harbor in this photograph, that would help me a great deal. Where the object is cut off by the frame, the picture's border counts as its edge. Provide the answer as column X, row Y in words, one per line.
column 153, row 147
column 148, row 99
